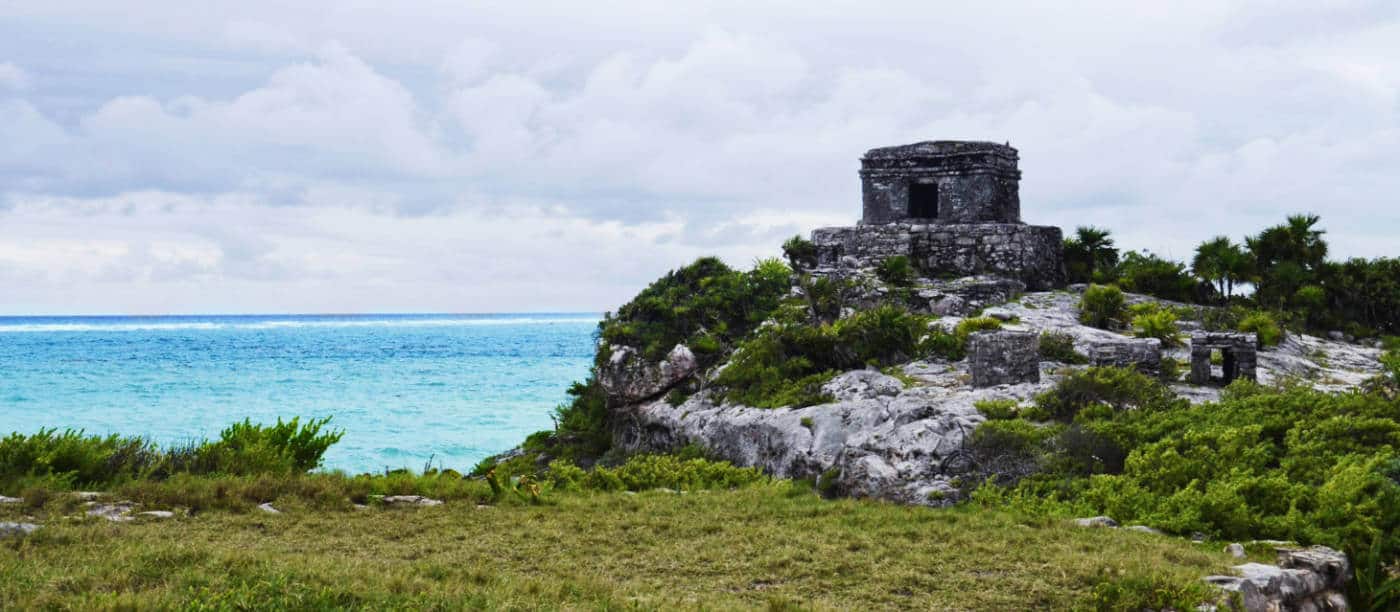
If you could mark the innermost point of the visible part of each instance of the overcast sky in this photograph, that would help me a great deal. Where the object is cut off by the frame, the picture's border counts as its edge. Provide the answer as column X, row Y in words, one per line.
column 184, row 157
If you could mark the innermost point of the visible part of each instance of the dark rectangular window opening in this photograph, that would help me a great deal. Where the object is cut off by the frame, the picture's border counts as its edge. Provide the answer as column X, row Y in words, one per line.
column 923, row 200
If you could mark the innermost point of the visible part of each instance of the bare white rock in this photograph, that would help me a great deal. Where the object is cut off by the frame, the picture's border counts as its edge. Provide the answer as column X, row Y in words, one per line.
column 9, row 529
column 410, row 500
column 119, row 512
column 267, row 507
column 156, row 514
column 10, row 500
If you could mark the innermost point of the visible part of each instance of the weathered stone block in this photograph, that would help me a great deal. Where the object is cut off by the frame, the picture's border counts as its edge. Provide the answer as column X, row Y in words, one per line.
column 1004, row 357
column 1145, row 354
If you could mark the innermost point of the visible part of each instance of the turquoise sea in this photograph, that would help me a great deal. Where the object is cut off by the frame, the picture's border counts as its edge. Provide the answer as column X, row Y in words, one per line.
column 405, row 388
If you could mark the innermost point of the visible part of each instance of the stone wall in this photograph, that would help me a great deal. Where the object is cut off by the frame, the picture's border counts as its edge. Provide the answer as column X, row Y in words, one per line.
column 1145, row 354
column 1003, row 358
column 1029, row 253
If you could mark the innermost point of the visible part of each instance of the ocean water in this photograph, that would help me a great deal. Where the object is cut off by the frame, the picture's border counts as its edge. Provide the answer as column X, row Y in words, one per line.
column 456, row 388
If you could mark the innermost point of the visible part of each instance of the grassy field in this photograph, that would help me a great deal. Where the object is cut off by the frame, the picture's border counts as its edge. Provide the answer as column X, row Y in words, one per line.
column 774, row 546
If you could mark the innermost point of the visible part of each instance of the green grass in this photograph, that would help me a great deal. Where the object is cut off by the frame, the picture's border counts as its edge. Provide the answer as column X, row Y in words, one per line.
column 768, row 545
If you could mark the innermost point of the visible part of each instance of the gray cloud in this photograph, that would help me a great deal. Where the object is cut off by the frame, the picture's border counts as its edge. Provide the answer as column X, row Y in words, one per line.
column 243, row 141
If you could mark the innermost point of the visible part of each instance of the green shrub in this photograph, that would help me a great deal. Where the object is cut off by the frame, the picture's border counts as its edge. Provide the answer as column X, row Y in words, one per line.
column 1102, row 306
column 801, row 253
column 565, row 476
column 1264, row 326
column 825, row 296
column 1059, row 346
column 285, row 448
column 967, row 327
column 1143, row 272
column 72, row 458
column 1268, row 463
column 705, row 298
column 943, row 343
column 785, row 364
column 1160, row 325
column 896, row 270
column 1117, row 388
column 997, row 409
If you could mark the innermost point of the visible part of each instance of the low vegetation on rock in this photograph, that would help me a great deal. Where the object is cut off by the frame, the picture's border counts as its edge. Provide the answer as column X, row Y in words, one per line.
column 1288, row 463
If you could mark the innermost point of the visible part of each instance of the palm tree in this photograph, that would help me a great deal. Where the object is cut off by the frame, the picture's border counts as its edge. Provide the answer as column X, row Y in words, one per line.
column 1099, row 247
column 1223, row 263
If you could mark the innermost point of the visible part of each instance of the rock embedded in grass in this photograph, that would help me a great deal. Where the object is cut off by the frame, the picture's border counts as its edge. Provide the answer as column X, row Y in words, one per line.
column 1145, row 529
column 117, row 512
column 267, row 507
column 410, row 500
column 9, row 529
column 10, row 500
column 1096, row 521
column 156, row 514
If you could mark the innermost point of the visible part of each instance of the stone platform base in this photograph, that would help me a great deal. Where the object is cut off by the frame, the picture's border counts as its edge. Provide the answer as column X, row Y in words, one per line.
column 1029, row 253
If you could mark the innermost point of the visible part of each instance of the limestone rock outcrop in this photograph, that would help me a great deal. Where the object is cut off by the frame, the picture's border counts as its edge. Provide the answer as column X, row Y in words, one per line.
column 1312, row 579
column 878, row 439
column 628, row 377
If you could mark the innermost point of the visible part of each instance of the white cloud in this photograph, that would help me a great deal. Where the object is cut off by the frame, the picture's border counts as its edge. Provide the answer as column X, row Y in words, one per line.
column 524, row 142
column 13, row 77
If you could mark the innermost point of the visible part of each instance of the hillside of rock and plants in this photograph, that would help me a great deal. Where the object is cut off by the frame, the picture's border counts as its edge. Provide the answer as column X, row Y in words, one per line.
column 851, row 380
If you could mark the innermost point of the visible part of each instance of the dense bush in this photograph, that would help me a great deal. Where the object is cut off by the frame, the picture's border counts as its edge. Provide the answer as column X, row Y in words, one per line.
column 1103, row 306
column 74, row 459
column 1143, row 272
column 1263, row 325
column 705, row 303
column 1115, row 389
column 285, row 448
column 896, row 270
column 1059, row 346
column 785, row 363
column 801, row 253
column 1289, row 463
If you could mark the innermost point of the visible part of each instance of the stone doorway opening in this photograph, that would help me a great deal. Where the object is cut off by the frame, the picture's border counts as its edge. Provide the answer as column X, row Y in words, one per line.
column 923, row 200
column 1235, row 352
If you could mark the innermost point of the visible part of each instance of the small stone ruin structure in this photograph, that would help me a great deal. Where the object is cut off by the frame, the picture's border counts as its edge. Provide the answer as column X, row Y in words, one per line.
column 1145, row 354
column 941, row 182
column 953, row 208
column 1238, row 351
column 1003, row 357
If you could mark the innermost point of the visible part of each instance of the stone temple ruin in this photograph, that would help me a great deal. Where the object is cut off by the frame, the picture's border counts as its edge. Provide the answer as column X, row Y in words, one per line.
column 953, row 208
column 1238, row 352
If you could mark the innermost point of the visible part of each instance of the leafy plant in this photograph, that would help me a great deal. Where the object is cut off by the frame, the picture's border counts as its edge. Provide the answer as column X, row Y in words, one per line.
column 1160, row 325
column 896, row 270
column 1265, row 328
column 1103, row 306
column 996, row 409
column 801, row 253
column 1059, row 346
